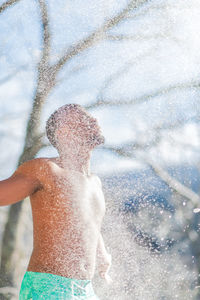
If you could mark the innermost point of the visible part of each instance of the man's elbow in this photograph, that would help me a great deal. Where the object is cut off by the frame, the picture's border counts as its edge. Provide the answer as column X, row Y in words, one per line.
column 8, row 201
column 3, row 202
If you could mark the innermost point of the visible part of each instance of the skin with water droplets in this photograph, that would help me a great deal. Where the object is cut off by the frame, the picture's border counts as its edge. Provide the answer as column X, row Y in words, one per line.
column 68, row 205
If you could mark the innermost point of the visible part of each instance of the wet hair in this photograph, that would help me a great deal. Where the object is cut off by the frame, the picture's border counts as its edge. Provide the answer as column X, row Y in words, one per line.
column 56, row 120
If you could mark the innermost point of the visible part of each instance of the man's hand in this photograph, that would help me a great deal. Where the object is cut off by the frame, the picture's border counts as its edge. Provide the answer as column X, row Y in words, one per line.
column 104, row 268
column 104, row 260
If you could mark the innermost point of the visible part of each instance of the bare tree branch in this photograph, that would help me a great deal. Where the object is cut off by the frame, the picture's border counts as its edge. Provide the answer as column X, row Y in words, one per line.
column 126, row 150
column 153, row 7
column 97, row 35
column 46, row 74
column 116, row 75
column 33, row 143
column 174, row 184
column 46, row 30
column 145, row 97
column 124, row 37
column 113, row 77
column 45, row 82
column 72, row 72
column 7, row 4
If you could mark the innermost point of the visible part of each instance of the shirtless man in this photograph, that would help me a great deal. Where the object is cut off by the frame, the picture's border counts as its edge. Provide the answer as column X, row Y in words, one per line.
column 67, row 208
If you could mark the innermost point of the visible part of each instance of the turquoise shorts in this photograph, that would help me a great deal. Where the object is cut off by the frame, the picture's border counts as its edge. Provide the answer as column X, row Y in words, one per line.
column 37, row 286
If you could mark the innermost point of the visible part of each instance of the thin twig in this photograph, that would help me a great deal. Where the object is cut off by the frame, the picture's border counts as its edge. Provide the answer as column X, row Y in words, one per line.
column 174, row 184
column 145, row 97
column 46, row 31
column 7, row 4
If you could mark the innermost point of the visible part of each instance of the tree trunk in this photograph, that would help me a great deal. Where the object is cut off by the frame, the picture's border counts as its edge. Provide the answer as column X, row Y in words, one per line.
column 33, row 144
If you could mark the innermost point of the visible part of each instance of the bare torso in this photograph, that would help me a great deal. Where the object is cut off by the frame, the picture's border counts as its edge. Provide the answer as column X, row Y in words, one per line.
column 67, row 215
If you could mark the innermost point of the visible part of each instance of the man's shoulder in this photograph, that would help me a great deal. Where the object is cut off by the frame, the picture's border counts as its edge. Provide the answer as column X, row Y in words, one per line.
column 35, row 162
column 36, row 165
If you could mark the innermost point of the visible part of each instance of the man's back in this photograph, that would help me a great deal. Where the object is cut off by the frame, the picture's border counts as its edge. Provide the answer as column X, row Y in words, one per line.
column 67, row 212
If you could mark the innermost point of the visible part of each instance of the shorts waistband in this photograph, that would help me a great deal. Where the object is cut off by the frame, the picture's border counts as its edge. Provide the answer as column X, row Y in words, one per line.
column 57, row 277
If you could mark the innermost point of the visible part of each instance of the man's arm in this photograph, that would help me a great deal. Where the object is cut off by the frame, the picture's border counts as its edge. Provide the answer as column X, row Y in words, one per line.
column 103, row 260
column 20, row 185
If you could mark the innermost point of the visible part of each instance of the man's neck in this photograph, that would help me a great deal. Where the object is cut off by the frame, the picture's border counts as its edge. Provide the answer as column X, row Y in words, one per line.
column 76, row 161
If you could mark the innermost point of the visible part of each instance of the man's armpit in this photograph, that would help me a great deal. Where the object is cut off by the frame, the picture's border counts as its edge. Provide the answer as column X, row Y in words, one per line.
column 30, row 170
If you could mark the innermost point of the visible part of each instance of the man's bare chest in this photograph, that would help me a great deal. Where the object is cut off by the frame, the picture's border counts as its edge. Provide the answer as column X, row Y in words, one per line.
column 74, row 195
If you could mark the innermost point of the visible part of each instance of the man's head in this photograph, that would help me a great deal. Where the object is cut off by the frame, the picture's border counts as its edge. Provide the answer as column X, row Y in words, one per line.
column 73, row 122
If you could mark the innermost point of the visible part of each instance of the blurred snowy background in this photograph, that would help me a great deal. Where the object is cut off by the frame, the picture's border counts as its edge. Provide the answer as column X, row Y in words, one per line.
column 134, row 65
